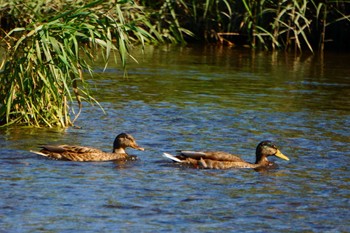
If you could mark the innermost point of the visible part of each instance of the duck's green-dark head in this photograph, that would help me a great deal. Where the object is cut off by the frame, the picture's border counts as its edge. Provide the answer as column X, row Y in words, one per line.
column 268, row 148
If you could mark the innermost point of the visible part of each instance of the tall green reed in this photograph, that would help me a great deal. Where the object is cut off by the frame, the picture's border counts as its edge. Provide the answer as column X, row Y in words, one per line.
column 42, row 77
column 290, row 26
column 294, row 25
column 168, row 18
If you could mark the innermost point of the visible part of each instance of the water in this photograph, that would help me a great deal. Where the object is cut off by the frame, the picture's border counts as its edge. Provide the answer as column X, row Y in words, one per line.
column 193, row 98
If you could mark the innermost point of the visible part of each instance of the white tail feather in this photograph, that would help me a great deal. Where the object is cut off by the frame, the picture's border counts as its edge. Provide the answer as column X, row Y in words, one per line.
column 169, row 156
column 39, row 153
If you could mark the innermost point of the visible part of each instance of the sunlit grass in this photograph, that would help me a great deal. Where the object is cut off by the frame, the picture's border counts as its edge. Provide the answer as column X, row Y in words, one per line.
column 43, row 72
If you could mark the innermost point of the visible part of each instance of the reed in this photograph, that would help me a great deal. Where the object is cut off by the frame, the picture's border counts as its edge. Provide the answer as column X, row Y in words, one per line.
column 42, row 76
column 290, row 25
column 295, row 25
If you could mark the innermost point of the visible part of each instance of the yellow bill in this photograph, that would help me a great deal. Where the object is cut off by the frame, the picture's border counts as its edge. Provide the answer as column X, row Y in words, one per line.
column 280, row 155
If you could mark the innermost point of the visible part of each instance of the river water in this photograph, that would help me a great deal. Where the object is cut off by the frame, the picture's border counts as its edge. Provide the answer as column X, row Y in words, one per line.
column 194, row 98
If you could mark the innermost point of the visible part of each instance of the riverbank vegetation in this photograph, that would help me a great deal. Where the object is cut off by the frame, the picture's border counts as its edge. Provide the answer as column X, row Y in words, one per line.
column 293, row 25
column 49, row 44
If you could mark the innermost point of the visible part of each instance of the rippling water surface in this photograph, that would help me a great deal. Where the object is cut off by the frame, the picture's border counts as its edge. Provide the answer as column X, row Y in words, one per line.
column 193, row 98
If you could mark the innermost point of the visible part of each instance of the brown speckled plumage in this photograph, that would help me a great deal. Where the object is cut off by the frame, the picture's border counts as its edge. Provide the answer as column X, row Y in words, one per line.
column 84, row 154
column 223, row 160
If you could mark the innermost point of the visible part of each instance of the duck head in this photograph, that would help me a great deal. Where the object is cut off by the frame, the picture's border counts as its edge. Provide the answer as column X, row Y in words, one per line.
column 265, row 149
column 123, row 141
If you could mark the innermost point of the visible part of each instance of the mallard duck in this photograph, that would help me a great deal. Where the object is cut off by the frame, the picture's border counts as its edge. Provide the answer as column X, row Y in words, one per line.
column 223, row 160
column 84, row 154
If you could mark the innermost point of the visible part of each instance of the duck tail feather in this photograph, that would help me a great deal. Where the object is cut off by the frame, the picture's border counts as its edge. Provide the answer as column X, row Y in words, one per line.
column 172, row 157
column 38, row 153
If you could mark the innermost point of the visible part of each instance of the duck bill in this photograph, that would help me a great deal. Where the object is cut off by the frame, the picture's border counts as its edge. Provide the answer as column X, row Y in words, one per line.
column 137, row 147
column 280, row 155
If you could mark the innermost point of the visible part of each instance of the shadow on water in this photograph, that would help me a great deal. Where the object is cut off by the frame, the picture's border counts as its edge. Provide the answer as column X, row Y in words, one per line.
column 193, row 98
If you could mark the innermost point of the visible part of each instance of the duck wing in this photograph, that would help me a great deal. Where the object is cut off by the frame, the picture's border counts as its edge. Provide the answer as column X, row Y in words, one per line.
column 212, row 155
column 73, row 153
column 79, row 153
column 70, row 149
column 217, row 164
